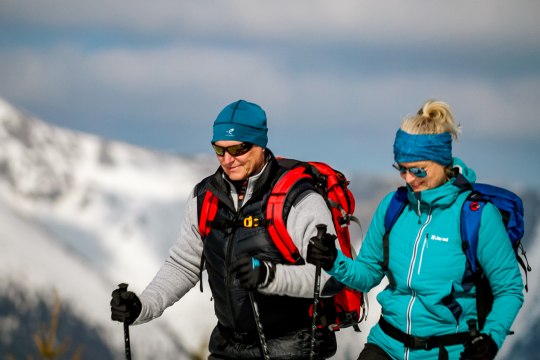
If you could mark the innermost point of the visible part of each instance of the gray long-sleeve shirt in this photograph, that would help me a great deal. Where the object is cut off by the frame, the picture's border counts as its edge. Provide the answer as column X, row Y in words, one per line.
column 180, row 271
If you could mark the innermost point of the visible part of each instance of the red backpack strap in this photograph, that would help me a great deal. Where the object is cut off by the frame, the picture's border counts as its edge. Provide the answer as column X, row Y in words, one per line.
column 208, row 213
column 277, row 227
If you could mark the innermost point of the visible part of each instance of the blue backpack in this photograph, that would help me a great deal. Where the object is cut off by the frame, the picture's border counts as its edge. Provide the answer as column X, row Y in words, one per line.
column 509, row 205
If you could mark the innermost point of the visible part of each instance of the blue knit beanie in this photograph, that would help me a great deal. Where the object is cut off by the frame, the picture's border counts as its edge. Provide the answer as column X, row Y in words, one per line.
column 241, row 121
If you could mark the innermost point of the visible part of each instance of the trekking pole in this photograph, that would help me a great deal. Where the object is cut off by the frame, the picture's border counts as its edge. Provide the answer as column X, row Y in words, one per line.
column 127, row 345
column 258, row 323
column 321, row 230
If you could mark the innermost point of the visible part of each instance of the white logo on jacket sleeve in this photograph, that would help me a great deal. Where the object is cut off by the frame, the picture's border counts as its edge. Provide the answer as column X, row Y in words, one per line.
column 438, row 238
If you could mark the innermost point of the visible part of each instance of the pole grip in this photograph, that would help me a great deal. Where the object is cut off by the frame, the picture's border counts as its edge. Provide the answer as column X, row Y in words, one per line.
column 127, row 345
column 473, row 332
column 321, row 231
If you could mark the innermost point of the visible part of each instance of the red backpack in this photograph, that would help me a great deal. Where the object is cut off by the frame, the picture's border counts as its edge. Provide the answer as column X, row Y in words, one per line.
column 347, row 307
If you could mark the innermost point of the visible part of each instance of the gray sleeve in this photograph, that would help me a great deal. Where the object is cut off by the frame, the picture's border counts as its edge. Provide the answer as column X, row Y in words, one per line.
column 299, row 280
column 179, row 273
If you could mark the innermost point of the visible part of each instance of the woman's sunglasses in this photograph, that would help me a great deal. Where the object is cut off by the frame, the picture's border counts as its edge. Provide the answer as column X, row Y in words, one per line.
column 414, row 171
column 234, row 150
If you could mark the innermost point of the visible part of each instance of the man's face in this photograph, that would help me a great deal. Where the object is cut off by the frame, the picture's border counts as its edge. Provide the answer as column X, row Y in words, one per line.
column 240, row 167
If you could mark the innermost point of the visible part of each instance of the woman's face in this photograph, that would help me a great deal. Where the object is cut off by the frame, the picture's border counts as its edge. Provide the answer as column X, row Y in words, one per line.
column 435, row 175
column 242, row 166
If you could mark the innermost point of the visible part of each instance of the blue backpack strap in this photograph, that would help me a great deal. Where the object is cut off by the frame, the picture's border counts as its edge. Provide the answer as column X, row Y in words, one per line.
column 471, row 213
column 395, row 208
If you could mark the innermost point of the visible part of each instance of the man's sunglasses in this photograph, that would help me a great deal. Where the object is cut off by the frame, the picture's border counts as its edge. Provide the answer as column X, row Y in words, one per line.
column 414, row 171
column 234, row 150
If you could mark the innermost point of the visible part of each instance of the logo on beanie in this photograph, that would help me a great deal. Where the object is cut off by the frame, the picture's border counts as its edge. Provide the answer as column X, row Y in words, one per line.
column 230, row 132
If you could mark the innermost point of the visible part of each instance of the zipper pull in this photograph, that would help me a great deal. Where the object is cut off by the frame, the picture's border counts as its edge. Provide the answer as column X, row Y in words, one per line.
column 418, row 210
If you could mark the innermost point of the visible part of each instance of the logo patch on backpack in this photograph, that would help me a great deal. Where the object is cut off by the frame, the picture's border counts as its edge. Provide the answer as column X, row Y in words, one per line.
column 474, row 206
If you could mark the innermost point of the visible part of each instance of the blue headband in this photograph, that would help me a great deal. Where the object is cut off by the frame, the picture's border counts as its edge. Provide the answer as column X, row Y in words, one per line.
column 434, row 147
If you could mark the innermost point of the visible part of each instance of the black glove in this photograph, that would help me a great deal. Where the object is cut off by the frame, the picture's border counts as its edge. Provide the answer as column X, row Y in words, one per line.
column 125, row 306
column 322, row 251
column 253, row 273
column 479, row 348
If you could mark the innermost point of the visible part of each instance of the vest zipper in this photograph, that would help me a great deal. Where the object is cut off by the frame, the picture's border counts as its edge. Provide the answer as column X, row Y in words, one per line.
column 229, row 239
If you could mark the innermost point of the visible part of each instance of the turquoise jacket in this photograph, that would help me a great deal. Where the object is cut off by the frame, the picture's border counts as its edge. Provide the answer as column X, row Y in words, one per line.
column 428, row 265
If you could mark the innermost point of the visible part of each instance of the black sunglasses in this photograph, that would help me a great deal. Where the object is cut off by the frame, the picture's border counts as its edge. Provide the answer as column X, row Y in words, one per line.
column 415, row 171
column 234, row 150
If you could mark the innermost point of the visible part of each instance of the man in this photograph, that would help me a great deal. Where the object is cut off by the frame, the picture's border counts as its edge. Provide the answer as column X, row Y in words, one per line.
column 244, row 266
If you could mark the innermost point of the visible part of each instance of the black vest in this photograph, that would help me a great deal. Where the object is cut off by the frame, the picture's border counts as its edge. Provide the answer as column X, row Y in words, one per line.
column 229, row 240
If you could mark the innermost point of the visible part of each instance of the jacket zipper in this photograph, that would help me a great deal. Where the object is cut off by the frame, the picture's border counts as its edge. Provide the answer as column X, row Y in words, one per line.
column 428, row 220
column 415, row 248
column 411, row 271
column 409, row 321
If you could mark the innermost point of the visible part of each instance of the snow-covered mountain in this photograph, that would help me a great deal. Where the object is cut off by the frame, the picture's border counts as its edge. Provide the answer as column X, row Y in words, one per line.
column 81, row 214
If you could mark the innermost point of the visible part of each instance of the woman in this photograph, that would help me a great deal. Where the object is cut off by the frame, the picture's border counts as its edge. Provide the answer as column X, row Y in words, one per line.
column 427, row 304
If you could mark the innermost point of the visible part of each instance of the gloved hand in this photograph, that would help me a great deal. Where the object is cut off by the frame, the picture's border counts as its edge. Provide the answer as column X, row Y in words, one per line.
column 125, row 306
column 253, row 273
column 322, row 251
column 479, row 348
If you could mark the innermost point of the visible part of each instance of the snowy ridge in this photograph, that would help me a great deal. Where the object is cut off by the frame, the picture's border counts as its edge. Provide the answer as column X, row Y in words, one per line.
column 87, row 214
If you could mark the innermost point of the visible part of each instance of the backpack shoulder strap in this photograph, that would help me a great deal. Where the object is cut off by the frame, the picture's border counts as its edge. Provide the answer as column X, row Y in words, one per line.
column 207, row 213
column 207, row 206
column 471, row 214
column 277, row 227
column 395, row 208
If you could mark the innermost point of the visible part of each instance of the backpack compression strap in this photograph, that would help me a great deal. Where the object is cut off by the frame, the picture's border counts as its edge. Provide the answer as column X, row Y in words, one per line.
column 277, row 228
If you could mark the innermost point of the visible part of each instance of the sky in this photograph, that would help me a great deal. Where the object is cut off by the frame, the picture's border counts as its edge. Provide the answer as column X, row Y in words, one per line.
column 334, row 77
